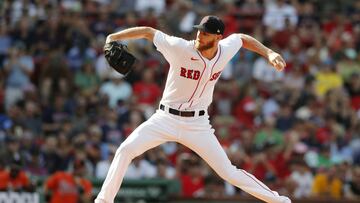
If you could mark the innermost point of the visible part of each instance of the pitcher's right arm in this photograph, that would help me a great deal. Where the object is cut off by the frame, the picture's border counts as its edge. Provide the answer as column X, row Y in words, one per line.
column 133, row 33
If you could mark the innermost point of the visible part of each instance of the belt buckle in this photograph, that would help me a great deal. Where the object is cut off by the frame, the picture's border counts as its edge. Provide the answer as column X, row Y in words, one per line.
column 188, row 113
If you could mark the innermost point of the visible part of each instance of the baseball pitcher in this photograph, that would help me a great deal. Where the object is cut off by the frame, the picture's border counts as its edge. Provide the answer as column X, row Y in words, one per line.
column 195, row 67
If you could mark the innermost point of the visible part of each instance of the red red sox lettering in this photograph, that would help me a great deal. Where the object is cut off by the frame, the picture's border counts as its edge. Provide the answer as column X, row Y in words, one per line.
column 195, row 74
column 188, row 73
column 215, row 76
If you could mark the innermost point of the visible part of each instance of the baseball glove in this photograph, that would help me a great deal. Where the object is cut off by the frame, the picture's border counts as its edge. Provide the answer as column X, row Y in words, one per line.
column 118, row 57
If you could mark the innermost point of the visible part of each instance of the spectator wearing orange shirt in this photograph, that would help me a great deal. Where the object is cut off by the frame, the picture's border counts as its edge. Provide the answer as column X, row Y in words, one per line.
column 69, row 187
column 14, row 179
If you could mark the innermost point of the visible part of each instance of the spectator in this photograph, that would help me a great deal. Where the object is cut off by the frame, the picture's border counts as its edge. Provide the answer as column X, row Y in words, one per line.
column 302, row 179
column 80, row 50
column 285, row 120
column 56, row 113
column 148, row 19
column 276, row 14
column 279, row 158
column 260, row 166
column 94, row 148
column 141, row 6
column 18, row 8
column 18, row 68
column 348, row 65
column 103, row 70
column 86, row 80
column 14, row 179
column 214, row 188
column 69, row 187
column 245, row 110
column 326, row 79
column 268, row 134
column 190, row 175
column 111, row 130
column 140, row 168
column 103, row 166
column 264, row 73
column 32, row 118
column 135, row 119
column 251, row 12
column 243, row 68
column 79, row 153
column 294, row 80
column 227, row 90
column 35, row 165
column 116, row 89
column 2, row 92
column 5, row 41
column 188, row 16
column 353, row 87
column 164, row 169
column 147, row 92
column 55, row 76
column 80, row 119
column 270, row 108
column 352, row 190
column 327, row 183
column 12, row 153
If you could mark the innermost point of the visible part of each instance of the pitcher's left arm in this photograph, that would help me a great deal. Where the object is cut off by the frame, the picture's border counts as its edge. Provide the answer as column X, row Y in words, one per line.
column 254, row 45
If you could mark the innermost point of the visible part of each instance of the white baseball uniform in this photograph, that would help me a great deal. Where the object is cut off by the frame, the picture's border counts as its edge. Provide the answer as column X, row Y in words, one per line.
column 189, row 87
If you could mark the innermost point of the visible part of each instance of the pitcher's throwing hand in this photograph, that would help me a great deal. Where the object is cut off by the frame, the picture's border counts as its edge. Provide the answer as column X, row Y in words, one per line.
column 277, row 61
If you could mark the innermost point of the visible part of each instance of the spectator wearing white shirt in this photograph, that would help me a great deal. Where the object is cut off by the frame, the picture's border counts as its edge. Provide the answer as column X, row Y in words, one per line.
column 102, row 167
column 116, row 89
column 264, row 72
column 21, row 8
column 143, row 5
column 19, row 67
column 276, row 14
column 302, row 177
column 164, row 169
column 102, row 67
column 140, row 168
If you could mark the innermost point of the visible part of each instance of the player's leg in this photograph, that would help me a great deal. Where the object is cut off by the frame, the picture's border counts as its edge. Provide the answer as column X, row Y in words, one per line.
column 148, row 135
column 206, row 145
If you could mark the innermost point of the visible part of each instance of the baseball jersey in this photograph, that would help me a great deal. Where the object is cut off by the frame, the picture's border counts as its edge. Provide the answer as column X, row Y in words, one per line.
column 191, row 79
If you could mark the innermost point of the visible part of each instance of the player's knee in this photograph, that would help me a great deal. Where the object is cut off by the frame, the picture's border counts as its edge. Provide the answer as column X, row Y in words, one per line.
column 229, row 173
column 126, row 150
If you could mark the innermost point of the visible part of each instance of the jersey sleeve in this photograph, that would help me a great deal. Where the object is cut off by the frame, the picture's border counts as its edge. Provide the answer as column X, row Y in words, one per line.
column 232, row 44
column 168, row 45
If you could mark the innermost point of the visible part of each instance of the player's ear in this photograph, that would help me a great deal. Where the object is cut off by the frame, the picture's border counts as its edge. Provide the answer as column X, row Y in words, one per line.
column 219, row 37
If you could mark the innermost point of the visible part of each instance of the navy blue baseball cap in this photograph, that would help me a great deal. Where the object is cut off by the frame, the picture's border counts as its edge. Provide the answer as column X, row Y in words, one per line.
column 211, row 24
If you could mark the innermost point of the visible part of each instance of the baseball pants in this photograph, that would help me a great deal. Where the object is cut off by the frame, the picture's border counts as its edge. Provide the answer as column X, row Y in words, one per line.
column 194, row 132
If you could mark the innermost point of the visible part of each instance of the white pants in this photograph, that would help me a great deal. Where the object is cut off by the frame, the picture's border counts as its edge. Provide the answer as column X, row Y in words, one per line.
column 193, row 132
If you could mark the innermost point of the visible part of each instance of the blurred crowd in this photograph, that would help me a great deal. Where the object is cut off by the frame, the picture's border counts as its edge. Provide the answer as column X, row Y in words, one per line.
column 64, row 112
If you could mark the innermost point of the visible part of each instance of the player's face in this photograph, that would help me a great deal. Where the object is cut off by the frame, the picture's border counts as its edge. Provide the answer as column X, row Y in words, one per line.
column 205, row 41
